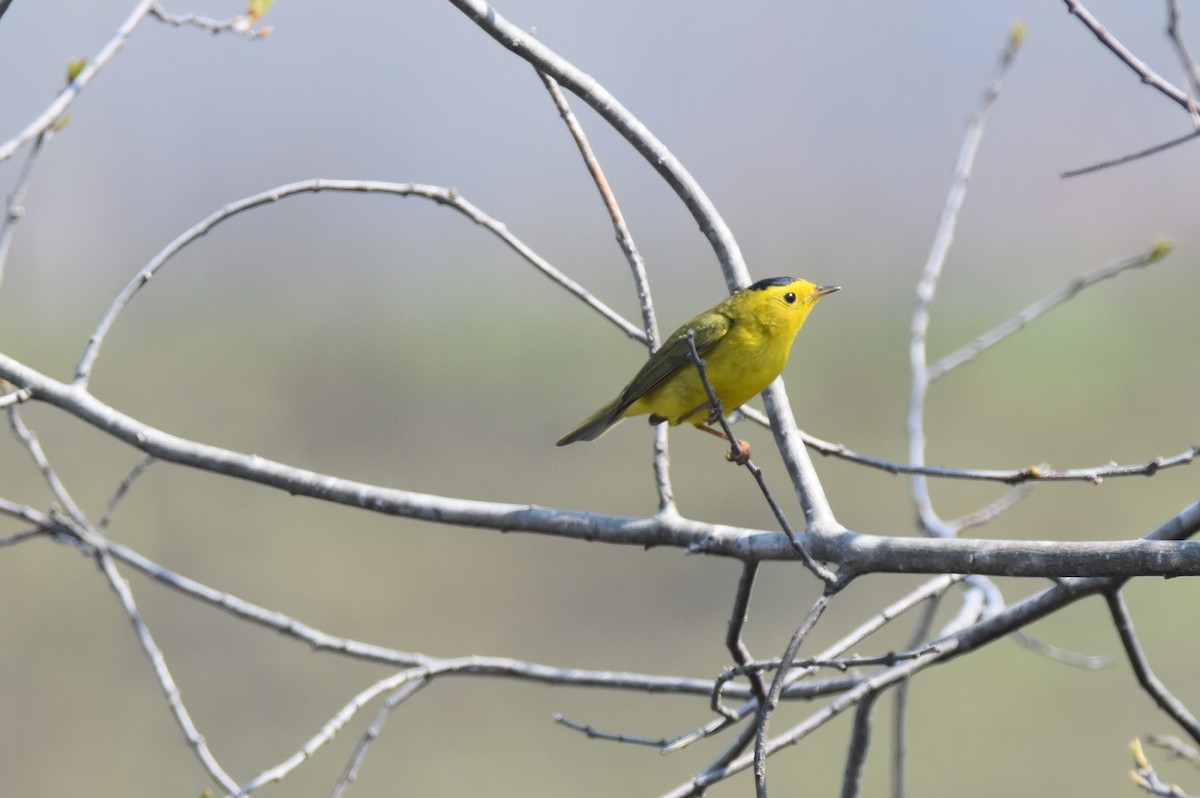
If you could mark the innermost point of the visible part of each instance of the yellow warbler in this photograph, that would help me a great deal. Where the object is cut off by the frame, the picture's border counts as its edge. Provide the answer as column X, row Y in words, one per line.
column 744, row 342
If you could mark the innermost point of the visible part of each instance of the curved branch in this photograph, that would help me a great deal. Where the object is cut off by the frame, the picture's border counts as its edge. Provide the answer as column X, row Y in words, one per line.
column 443, row 196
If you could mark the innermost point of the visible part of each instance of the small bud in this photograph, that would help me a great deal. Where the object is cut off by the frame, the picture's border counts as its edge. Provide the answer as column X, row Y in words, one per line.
column 74, row 67
column 1016, row 35
column 1162, row 247
column 257, row 8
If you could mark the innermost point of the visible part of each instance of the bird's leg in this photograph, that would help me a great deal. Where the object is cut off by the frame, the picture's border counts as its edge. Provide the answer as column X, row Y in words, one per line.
column 738, row 453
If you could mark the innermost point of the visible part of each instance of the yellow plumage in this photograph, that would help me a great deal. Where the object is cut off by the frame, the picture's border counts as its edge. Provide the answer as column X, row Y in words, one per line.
column 744, row 341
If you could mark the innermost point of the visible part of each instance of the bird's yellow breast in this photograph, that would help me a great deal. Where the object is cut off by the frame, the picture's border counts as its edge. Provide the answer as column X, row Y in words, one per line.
column 750, row 355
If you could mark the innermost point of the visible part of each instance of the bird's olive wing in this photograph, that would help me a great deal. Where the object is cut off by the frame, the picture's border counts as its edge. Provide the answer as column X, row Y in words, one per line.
column 674, row 355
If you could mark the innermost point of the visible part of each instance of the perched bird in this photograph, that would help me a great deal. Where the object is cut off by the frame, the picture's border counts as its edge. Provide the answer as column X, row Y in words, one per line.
column 744, row 342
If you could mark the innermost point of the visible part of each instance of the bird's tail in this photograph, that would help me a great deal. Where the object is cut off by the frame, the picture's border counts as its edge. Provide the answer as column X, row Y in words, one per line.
column 597, row 423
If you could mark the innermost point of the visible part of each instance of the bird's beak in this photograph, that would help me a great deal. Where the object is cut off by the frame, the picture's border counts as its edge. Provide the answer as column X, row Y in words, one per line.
column 825, row 289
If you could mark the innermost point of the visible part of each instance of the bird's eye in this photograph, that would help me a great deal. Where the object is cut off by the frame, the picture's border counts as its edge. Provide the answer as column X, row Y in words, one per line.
column 789, row 298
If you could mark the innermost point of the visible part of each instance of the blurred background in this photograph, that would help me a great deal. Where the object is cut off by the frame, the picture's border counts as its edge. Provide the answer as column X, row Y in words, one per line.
column 391, row 341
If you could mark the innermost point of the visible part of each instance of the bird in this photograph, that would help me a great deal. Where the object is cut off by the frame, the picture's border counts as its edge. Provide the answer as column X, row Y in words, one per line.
column 744, row 342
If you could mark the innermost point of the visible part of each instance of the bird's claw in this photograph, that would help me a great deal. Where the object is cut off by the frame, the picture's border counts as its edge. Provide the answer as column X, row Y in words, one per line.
column 742, row 454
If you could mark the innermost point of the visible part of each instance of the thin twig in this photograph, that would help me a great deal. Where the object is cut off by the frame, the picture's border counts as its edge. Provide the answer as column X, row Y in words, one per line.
column 34, row 447
column 524, row 45
column 123, row 489
column 166, row 681
column 763, row 720
column 1175, row 748
column 616, row 737
column 79, row 527
column 1167, row 702
column 986, row 513
column 15, row 207
column 966, row 353
column 1124, row 159
column 662, row 472
column 1088, row 662
column 49, row 117
column 900, row 713
column 372, row 733
column 736, row 454
column 1144, row 73
column 1009, row 476
column 331, row 728
column 1192, row 80
column 241, row 25
column 733, row 638
column 860, row 742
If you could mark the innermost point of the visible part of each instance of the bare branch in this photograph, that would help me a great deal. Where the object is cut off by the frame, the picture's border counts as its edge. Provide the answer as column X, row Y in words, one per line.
column 123, row 490
column 15, row 207
column 1191, row 79
column 241, row 25
column 860, row 741
column 763, row 722
column 1141, row 667
column 1174, row 747
column 733, row 639
column 966, row 353
column 1145, row 73
column 442, row 196
column 738, row 450
column 1145, row 777
column 474, row 665
column 34, row 447
column 988, row 630
column 927, row 287
column 372, row 733
column 1009, row 476
column 546, row 61
column 1124, row 159
column 615, row 737
column 662, row 470
column 48, row 118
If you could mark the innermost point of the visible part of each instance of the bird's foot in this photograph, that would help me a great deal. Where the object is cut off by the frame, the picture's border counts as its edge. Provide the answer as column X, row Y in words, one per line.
column 742, row 454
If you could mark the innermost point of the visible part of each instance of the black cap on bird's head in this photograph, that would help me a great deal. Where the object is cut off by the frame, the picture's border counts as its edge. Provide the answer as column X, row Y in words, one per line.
column 762, row 285
column 770, row 281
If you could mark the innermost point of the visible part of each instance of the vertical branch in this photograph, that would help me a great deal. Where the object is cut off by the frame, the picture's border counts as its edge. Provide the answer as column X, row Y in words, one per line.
column 662, row 472
column 763, row 721
column 860, row 742
column 900, row 713
column 818, row 514
column 737, row 621
column 15, row 207
column 1192, row 79
column 927, row 287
